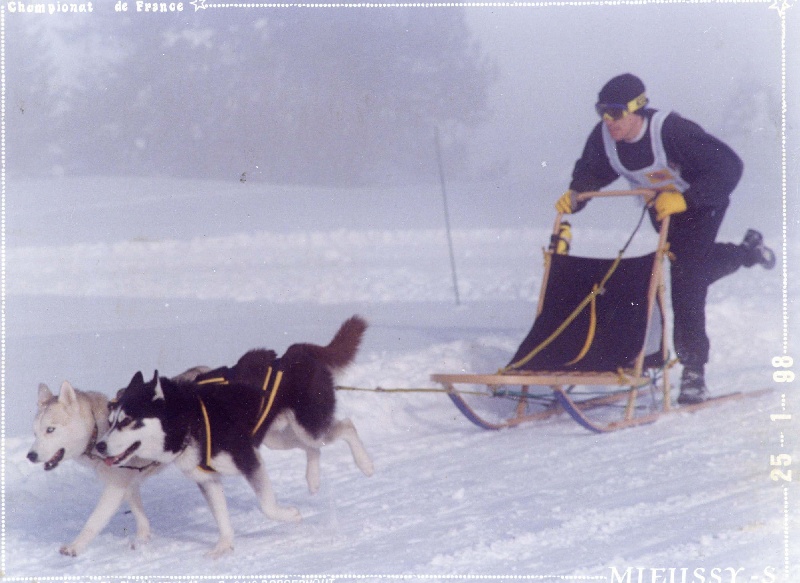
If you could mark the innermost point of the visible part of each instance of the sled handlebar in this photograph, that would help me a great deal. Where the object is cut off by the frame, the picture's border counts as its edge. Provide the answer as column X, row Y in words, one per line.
column 648, row 194
column 645, row 192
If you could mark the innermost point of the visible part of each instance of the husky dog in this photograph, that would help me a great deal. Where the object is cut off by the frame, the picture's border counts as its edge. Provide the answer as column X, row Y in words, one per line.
column 66, row 427
column 214, row 425
column 252, row 368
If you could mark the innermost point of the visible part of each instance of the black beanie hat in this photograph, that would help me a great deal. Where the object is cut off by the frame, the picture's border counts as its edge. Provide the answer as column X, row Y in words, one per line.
column 622, row 89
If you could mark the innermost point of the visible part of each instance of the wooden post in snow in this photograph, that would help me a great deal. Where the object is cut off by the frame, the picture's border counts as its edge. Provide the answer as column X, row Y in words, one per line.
column 446, row 214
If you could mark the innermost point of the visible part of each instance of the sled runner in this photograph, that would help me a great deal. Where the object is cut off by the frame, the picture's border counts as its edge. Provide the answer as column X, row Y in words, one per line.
column 598, row 348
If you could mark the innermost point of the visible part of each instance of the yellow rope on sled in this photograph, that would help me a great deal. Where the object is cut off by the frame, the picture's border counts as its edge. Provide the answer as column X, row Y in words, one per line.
column 592, row 328
column 590, row 298
column 411, row 390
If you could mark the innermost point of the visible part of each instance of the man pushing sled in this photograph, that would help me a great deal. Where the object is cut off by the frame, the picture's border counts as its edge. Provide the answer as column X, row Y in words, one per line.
column 694, row 175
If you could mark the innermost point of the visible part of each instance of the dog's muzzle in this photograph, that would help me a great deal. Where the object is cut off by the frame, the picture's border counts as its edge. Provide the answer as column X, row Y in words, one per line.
column 49, row 464
column 102, row 448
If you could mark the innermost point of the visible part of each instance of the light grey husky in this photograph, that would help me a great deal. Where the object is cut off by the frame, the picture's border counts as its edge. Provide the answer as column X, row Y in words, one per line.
column 66, row 427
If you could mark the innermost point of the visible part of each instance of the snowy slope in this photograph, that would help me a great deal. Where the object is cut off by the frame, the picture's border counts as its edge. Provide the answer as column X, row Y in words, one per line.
column 548, row 501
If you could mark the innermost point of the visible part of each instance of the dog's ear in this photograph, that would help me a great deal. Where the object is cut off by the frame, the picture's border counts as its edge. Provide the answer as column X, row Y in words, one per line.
column 115, row 401
column 66, row 395
column 44, row 396
column 135, row 386
column 158, row 391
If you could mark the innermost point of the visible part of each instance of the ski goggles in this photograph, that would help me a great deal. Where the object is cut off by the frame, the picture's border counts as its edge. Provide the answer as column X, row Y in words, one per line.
column 616, row 111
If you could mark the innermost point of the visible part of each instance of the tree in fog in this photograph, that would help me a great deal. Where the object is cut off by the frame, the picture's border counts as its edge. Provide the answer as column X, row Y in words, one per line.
column 344, row 97
column 33, row 103
column 360, row 99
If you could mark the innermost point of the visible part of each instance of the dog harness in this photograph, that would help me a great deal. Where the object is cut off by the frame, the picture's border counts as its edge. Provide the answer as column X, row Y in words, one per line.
column 269, row 389
column 205, row 463
column 270, row 384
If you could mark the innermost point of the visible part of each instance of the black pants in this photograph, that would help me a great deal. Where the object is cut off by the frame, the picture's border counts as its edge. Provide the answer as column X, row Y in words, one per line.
column 697, row 262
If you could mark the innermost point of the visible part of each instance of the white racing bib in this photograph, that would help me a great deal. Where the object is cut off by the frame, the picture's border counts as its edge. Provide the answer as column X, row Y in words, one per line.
column 659, row 175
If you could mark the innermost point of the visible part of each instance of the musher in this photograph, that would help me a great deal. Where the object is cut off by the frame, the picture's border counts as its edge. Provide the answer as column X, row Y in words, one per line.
column 694, row 174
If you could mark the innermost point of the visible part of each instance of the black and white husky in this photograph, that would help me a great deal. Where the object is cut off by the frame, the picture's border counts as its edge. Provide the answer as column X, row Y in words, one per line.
column 215, row 424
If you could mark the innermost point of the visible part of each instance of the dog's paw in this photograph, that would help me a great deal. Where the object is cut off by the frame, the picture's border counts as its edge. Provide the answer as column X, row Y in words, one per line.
column 141, row 540
column 286, row 514
column 365, row 464
column 313, row 481
column 294, row 515
column 223, row 548
column 68, row 551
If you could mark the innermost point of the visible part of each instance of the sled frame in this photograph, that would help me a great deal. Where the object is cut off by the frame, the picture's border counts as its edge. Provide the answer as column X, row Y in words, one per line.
column 564, row 402
column 628, row 382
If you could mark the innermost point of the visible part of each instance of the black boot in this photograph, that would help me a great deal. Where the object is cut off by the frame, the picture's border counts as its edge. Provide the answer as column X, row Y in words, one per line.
column 693, row 387
column 755, row 250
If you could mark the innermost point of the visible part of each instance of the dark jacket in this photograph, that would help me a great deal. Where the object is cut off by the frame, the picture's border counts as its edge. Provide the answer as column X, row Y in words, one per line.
column 711, row 168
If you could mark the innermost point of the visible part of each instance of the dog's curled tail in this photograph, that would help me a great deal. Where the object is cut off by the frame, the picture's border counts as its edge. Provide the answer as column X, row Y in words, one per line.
column 342, row 350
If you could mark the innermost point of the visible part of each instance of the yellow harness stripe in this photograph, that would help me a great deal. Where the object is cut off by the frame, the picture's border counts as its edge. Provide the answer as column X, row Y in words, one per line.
column 266, row 380
column 275, row 385
column 207, row 465
column 264, row 387
column 214, row 381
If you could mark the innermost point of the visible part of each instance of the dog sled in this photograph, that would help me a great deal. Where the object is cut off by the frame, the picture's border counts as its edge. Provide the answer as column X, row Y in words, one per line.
column 598, row 348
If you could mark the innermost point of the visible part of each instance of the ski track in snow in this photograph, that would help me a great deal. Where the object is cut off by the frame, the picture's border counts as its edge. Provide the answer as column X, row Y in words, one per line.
column 447, row 500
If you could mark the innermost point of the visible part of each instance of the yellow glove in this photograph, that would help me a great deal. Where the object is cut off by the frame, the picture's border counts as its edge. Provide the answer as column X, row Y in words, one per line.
column 568, row 203
column 669, row 202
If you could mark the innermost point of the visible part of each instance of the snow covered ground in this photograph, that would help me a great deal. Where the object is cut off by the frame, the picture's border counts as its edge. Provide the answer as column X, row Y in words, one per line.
column 200, row 272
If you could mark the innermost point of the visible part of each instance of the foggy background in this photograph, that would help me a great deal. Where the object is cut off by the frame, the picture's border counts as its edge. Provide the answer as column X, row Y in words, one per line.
column 181, row 188
column 177, row 155
column 350, row 98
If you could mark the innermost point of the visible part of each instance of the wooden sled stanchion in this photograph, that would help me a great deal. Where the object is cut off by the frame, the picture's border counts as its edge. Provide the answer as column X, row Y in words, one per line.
column 551, row 392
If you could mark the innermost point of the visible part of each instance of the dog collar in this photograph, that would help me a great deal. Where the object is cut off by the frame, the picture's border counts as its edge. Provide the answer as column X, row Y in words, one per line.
column 89, row 451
